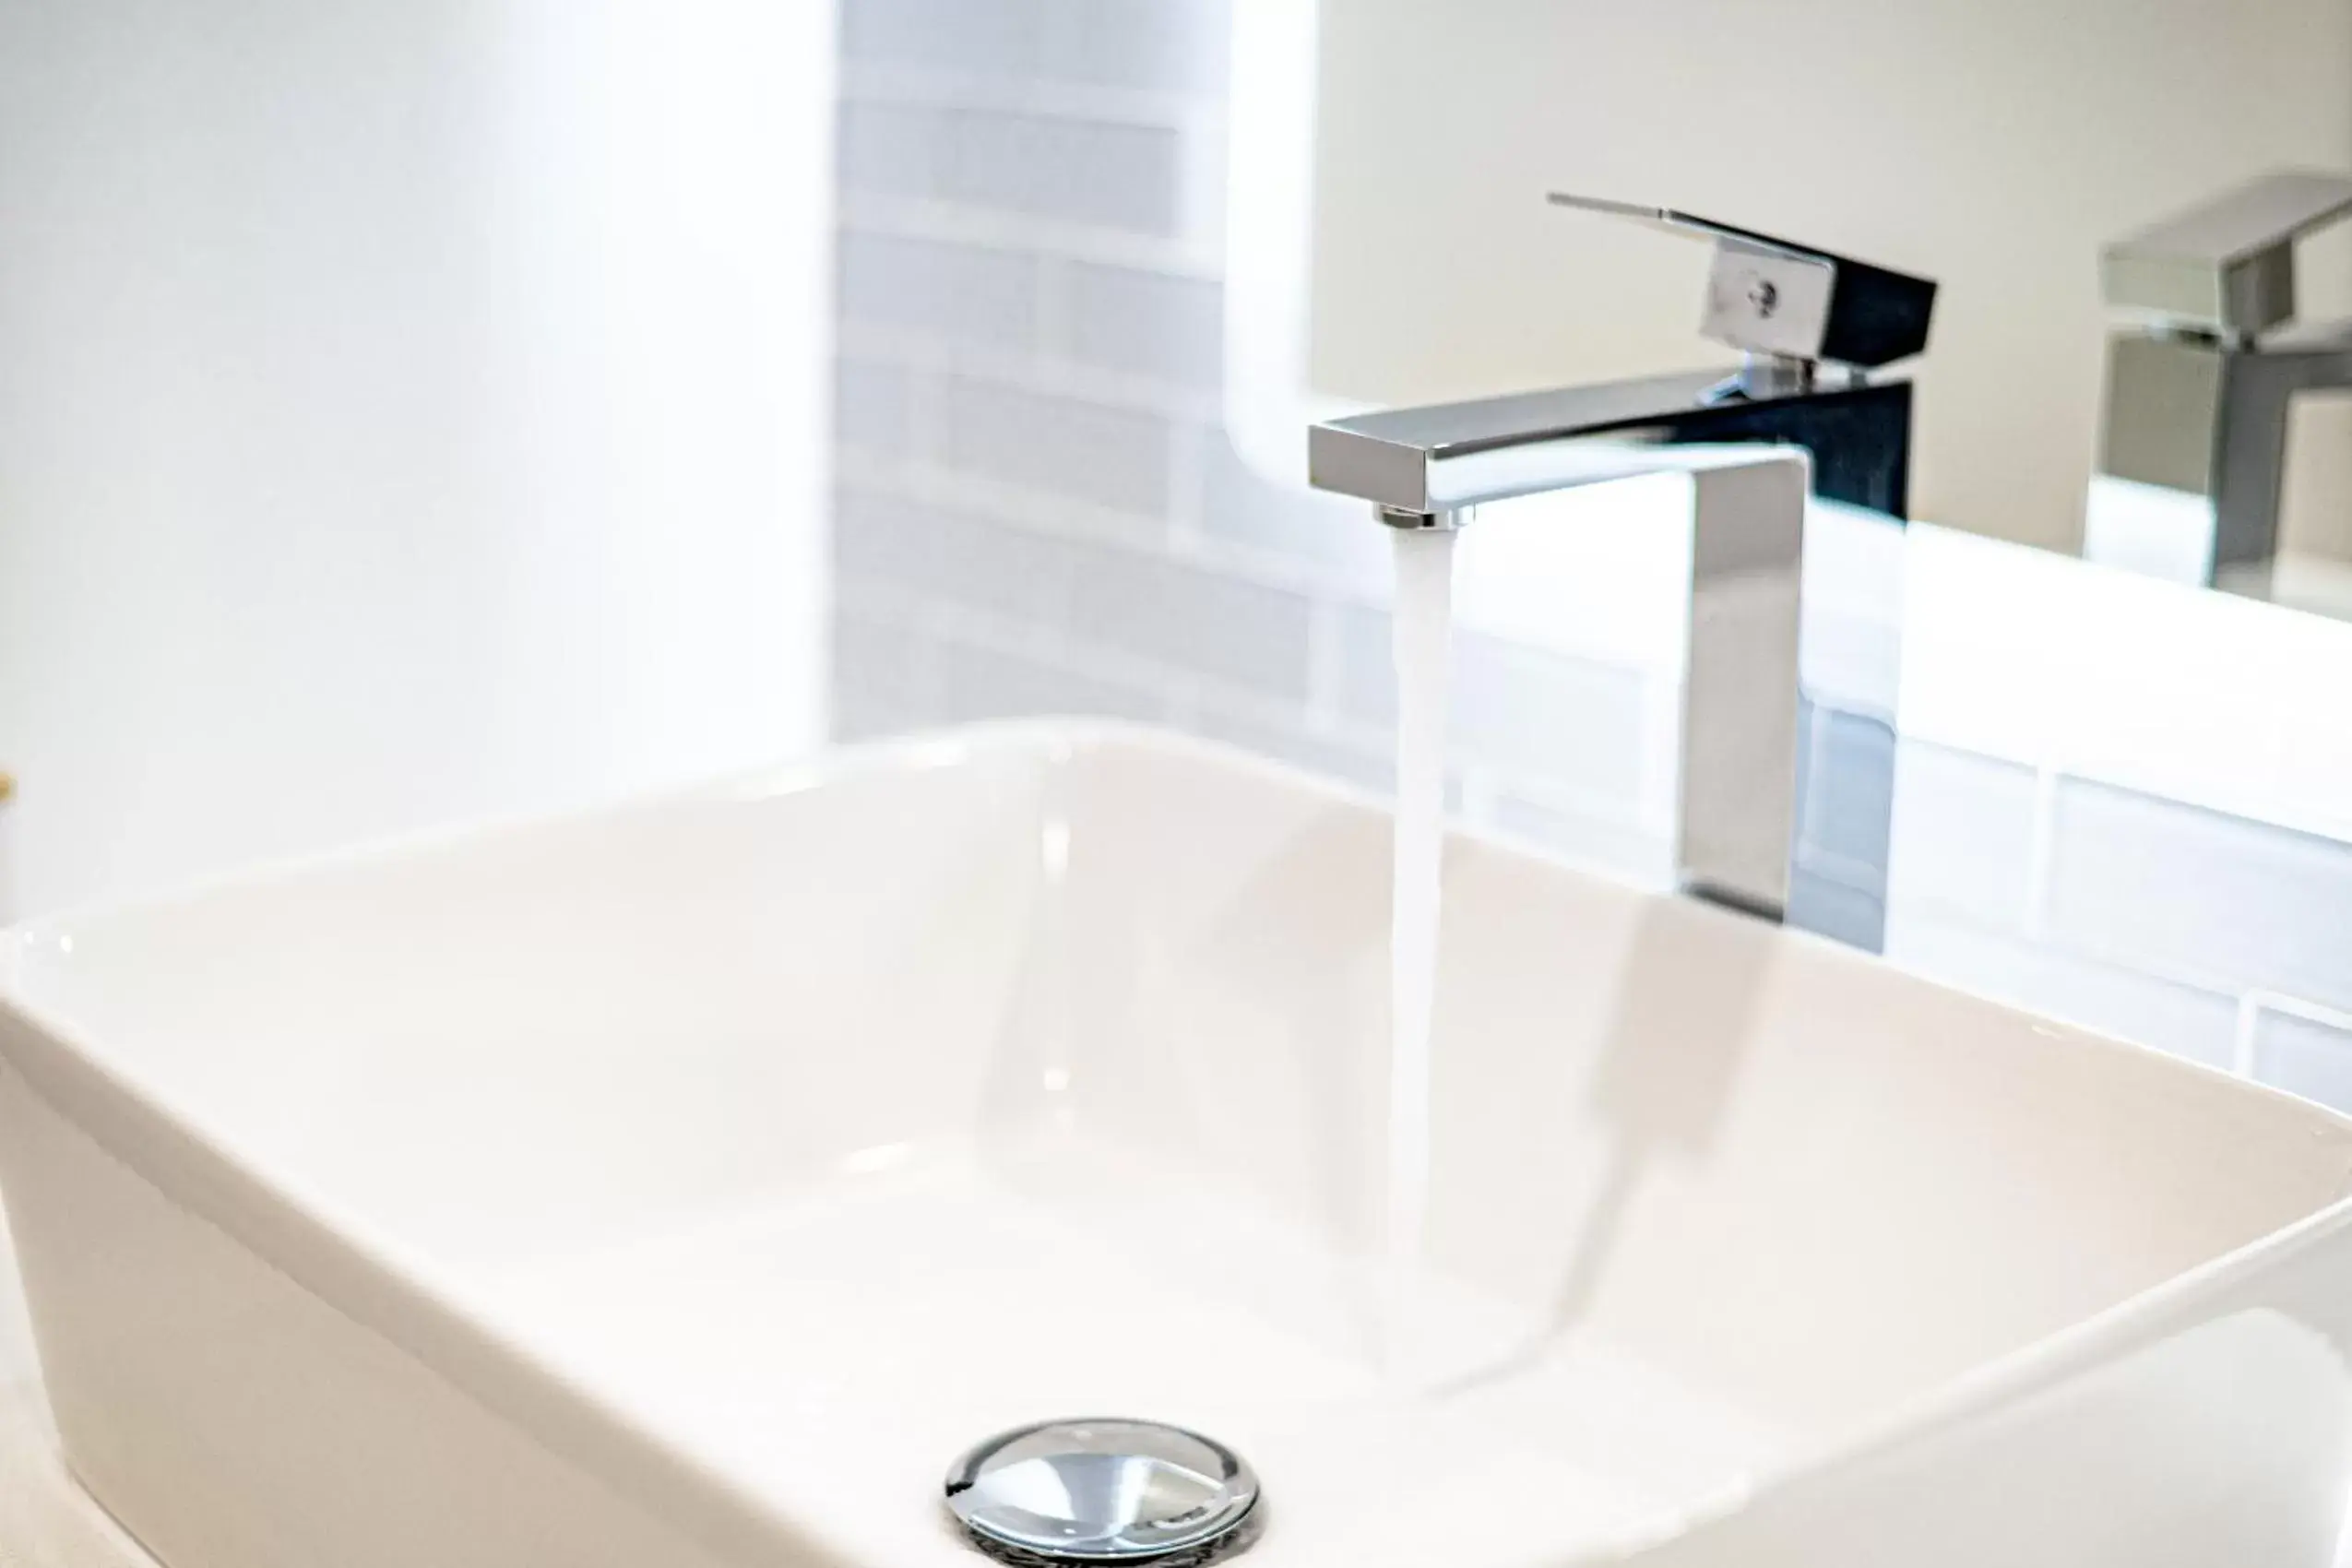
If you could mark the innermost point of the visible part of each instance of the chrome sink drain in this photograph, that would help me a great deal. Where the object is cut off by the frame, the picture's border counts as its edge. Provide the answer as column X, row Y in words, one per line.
column 1104, row 1490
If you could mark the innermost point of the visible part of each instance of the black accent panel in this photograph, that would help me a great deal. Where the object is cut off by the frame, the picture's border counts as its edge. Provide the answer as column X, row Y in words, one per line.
column 1859, row 438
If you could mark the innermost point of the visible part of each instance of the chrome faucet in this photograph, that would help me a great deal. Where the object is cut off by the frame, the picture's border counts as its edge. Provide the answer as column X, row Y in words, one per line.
column 2200, row 385
column 1800, row 416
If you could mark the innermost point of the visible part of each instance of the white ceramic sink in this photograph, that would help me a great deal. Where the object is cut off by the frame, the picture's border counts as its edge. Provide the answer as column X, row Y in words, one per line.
column 689, row 1183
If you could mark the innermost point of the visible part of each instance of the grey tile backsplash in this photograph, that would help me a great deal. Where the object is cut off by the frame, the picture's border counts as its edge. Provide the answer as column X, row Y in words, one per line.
column 1963, row 838
column 1117, row 458
column 951, row 293
column 1121, row 176
column 1038, row 512
column 1138, row 323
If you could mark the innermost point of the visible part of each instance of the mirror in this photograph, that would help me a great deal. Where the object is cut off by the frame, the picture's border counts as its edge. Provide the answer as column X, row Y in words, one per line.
column 1389, row 242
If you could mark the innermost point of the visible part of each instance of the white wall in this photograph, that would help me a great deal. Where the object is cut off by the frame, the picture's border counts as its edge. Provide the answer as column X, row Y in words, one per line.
column 1992, row 144
column 409, row 410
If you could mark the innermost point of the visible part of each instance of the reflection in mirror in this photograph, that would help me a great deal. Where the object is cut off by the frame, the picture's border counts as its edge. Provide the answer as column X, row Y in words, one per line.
column 2203, row 379
column 1388, row 242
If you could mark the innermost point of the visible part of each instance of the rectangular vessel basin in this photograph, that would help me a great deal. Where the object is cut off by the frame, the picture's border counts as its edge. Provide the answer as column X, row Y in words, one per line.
column 690, row 1182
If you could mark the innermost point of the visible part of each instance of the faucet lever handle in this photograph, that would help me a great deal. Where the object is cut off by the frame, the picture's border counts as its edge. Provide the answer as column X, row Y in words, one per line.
column 2225, row 265
column 1774, row 296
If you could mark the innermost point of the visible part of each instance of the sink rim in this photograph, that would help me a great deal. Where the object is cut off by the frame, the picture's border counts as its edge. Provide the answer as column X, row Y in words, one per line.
column 403, row 1297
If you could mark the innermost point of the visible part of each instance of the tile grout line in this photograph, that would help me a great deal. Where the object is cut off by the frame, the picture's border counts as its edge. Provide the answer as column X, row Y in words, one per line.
column 952, row 223
column 1019, row 94
column 2287, row 1004
column 1046, row 367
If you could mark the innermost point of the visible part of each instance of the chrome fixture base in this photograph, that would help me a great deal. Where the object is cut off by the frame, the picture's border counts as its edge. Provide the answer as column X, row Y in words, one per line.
column 1422, row 522
column 1104, row 1490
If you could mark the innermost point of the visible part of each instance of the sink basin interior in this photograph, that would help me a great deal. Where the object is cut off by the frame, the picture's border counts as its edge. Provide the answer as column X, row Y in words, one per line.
column 825, row 1124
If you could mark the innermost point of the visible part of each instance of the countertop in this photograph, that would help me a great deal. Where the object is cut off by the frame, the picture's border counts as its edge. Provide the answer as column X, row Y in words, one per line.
column 46, row 1521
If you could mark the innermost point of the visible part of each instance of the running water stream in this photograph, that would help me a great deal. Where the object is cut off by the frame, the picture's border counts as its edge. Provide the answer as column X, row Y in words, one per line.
column 1423, row 634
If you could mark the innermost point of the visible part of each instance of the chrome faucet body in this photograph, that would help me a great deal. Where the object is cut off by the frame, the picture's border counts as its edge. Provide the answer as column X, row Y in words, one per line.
column 2201, row 385
column 1758, row 444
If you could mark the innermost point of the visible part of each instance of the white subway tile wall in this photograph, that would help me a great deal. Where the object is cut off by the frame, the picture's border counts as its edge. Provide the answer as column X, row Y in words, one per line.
column 2306, row 1052
column 1039, row 511
column 2199, row 1025
column 1964, row 837
column 2181, row 891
